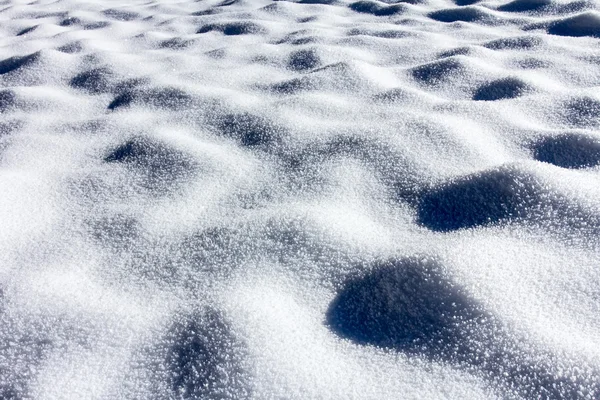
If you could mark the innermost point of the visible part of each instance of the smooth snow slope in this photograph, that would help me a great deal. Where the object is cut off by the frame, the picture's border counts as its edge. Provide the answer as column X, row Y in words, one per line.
column 311, row 199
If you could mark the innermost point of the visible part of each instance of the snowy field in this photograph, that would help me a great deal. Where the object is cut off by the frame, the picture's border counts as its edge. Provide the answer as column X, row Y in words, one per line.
column 310, row 199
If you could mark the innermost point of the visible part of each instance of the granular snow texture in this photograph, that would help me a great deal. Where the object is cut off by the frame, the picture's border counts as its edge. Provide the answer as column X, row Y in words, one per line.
column 309, row 199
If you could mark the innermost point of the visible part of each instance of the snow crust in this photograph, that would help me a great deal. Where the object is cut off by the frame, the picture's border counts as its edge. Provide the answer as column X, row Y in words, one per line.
column 314, row 199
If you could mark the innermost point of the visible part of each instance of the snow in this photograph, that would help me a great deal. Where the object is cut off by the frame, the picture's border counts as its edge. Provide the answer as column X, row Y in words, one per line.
column 313, row 199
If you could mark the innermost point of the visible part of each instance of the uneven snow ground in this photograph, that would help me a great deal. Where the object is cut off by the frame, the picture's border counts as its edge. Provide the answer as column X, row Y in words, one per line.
column 299, row 200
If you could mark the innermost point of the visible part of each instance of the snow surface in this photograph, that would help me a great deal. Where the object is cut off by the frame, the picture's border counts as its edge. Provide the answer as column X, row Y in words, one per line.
column 313, row 199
